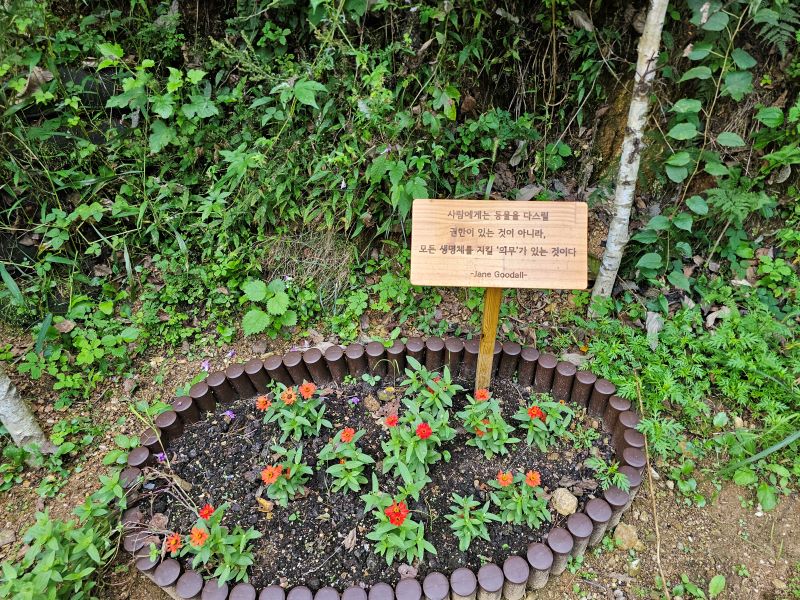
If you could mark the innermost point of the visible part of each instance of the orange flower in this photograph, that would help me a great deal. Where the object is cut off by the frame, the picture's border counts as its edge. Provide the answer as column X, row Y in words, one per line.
column 504, row 479
column 347, row 434
column 482, row 395
column 307, row 390
column 534, row 412
column 173, row 543
column 533, row 479
column 424, row 431
column 391, row 421
column 270, row 474
column 206, row 512
column 288, row 396
column 263, row 403
column 198, row 537
column 397, row 513
column 480, row 432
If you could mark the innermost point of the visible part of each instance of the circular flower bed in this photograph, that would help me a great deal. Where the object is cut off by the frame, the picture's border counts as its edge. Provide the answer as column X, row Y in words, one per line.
column 374, row 468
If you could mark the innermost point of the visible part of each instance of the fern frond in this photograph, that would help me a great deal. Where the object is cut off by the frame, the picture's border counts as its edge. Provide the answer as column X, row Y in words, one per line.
column 778, row 25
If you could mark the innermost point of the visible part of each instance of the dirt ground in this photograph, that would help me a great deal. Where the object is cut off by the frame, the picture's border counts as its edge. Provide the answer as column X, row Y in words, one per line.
column 697, row 542
column 728, row 537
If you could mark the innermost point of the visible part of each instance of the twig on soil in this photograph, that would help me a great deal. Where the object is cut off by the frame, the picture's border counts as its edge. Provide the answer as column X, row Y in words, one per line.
column 652, row 493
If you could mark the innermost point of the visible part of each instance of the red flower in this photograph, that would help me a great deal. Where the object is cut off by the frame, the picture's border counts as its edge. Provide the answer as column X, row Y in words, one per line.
column 534, row 412
column 504, row 479
column 424, row 431
column 206, row 512
column 263, row 403
column 347, row 434
column 391, row 421
column 198, row 537
column 288, row 396
column 533, row 479
column 307, row 390
column 397, row 513
column 436, row 379
column 482, row 395
column 270, row 474
column 480, row 432
column 174, row 542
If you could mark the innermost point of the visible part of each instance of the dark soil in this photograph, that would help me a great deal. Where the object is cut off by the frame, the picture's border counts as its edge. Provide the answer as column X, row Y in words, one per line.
column 303, row 543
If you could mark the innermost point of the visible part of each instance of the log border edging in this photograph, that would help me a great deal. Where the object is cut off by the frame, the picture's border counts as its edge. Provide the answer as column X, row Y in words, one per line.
column 543, row 371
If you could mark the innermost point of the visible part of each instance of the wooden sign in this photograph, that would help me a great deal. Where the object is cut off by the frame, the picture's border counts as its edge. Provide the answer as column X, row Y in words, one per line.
column 504, row 244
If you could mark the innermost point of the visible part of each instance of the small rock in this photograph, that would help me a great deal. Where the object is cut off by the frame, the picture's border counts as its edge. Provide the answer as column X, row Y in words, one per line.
column 655, row 475
column 619, row 594
column 259, row 347
column 564, row 502
column 553, row 456
column 670, row 484
column 779, row 585
column 634, row 567
column 7, row 536
column 738, row 423
column 626, row 536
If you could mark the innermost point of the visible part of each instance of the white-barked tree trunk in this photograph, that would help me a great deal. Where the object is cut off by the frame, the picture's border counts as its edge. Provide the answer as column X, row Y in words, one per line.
column 17, row 417
column 632, row 146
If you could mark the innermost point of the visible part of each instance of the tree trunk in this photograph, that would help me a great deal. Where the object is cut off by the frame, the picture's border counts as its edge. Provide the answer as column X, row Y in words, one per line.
column 632, row 147
column 16, row 416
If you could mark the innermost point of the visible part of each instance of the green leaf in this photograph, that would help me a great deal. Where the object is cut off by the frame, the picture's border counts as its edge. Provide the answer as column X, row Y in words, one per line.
column 679, row 159
column 658, row 223
column 306, row 92
column 679, row 280
column 683, row 131
column 696, row 73
column 255, row 321
column 163, row 106
column 686, row 105
column 289, row 319
column 697, row 205
column 278, row 304
column 742, row 59
column 730, row 139
column 161, row 135
column 651, row 260
column 129, row 334
column 676, row 174
column 17, row 299
column 106, row 307
column 255, row 290
column 771, row 116
column 684, row 249
column 766, row 496
column 200, row 106
column 716, row 22
column 111, row 50
column 717, row 169
column 683, row 221
column 744, row 477
column 716, row 585
column 195, row 75
column 737, row 84
column 700, row 50
column 646, row 236
column 720, row 420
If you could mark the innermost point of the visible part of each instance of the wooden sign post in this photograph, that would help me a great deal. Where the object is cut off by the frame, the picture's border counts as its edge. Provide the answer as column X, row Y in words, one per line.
column 498, row 244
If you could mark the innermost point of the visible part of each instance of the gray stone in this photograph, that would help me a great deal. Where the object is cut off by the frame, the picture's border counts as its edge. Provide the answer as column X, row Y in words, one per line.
column 563, row 502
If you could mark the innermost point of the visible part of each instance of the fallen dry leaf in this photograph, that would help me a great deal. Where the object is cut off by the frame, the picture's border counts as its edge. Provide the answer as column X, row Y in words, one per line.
column 349, row 541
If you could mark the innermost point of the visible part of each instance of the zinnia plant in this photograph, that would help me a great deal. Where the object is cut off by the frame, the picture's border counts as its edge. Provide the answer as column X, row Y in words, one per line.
column 286, row 478
column 415, row 443
column 396, row 534
column 214, row 550
column 299, row 411
column 348, row 470
column 428, row 391
column 468, row 521
column 482, row 416
column 544, row 420
column 519, row 498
